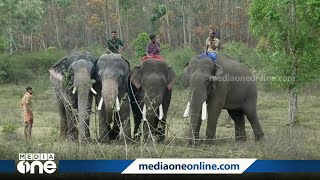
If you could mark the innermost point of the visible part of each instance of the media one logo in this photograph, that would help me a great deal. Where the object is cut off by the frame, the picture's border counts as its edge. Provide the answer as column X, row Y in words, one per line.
column 29, row 162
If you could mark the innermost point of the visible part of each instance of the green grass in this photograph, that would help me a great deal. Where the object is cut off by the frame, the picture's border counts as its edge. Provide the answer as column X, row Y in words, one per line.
column 281, row 141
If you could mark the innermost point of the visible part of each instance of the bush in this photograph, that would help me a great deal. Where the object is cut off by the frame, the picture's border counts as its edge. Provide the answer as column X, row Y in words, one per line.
column 140, row 44
column 96, row 49
column 22, row 68
column 178, row 59
column 242, row 53
column 9, row 130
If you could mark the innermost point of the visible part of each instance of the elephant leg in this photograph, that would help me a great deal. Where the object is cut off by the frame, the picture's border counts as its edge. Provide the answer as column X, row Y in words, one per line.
column 126, row 126
column 70, row 123
column 161, row 130
column 214, row 110
column 239, row 122
column 194, row 130
column 137, row 116
column 162, row 123
column 251, row 113
column 136, row 112
column 63, row 120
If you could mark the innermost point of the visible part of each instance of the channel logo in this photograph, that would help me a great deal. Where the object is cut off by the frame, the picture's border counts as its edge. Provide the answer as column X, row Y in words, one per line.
column 43, row 161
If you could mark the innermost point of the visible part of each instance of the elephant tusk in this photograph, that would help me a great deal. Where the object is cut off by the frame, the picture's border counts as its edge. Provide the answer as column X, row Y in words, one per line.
column 93, row 91
column 204, row 111
column 74, row 90
column 144, row 113
column 117, row 104
column 186, row 111
column 100, row 104
column 160, row 112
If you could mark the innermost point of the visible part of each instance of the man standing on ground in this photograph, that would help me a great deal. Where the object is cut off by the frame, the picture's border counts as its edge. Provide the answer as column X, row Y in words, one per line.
column 26, row 106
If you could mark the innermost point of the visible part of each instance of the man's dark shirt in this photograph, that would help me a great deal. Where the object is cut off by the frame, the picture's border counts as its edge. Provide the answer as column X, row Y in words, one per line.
column 113, row 45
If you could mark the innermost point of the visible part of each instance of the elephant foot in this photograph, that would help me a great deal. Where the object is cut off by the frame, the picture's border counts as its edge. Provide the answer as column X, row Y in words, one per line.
column 241, row 138
column 211, row 140
column 259, row 137
column 161, row 139
column 137, row 136
column 194, row 142
column 113, row 135
column 103, row 139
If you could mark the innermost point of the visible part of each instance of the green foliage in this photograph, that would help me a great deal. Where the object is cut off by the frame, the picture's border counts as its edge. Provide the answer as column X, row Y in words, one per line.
column 96, row 49
column 292, row 28
column 261, row 63
column 9, row 129
column 158, row 11
column 22, row 68
column 63, row 3
column 4, row 42
column 140, row 44
column 72, row 19
column 52, row 49
column 178, row 59
column 242, row 53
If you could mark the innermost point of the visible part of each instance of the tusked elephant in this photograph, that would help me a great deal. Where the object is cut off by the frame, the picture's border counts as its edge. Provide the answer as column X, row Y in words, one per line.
column 212, row 91
column 112, row 77
column 71, row 79
column 150, row 93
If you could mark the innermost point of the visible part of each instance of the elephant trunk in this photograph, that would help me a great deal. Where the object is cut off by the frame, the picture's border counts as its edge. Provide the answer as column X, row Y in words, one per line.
column 198, row 112
column 83, row 112
column 109, row 96
column 83, row 87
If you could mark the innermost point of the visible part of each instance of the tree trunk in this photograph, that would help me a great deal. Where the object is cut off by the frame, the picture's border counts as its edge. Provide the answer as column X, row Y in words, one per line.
column 11, row 40
column 184, row 25
column 190, row 16
column 293, row 105
column 168, row 23
column 119, row 19
column 56, row 25
column 127, row 19
column 293, row 97
column 42, row 39
column 31, row 42
column 106, row 19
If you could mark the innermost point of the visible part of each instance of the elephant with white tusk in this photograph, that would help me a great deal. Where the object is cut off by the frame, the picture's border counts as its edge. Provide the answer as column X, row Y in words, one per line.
column 151, row 88
column 112, row 73
column 72, row 81
column 213, row 89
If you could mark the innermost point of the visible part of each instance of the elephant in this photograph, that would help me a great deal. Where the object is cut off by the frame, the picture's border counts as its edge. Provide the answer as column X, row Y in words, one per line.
column 71, row 79
column 212, row 92
column 150, row 93
column 112, row 78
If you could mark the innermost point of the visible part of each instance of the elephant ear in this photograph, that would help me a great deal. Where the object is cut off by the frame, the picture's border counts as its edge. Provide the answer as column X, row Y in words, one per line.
column 136, row 77
column 170, row 78
column 218, row 71
column 56, row 71
column 184, row 78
